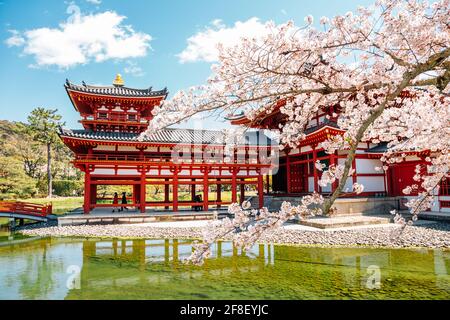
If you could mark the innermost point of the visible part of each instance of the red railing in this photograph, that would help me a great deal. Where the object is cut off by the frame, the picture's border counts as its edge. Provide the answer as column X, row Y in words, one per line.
column 32, row 209
column 118, row 117
column 149, row 158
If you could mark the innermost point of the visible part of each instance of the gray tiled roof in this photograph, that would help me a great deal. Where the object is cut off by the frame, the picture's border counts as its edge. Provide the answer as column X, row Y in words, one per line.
column 382, row 147
column 115, row 90
column 188, row 136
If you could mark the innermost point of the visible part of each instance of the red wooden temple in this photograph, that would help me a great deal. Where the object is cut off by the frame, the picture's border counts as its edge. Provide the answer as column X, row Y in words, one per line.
column 297, row 174
column 109, row 152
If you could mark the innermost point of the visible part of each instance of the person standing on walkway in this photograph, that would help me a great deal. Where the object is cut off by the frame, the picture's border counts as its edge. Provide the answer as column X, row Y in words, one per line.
column 124, row 201
column 115, row 201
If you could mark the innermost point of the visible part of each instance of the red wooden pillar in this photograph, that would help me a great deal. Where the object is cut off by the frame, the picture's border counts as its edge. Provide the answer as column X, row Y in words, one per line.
column 233, row 185
column 334, row 160
column 137, row 196
column 260, row 192
column 166, row 192
column 142, row 191
column 87, row 191
column 175, row 190
column 134, row 195
column 219, row 194
column 93, row 195
column 205, row 190
column 288, row 172
column 388, row 182
column 242, row 187
column 193, row 190
column 316, row 175
column 354, row 179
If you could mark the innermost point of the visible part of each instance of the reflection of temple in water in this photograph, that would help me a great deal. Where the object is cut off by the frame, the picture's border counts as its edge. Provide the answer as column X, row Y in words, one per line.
column 139, row 269
column 159, row 263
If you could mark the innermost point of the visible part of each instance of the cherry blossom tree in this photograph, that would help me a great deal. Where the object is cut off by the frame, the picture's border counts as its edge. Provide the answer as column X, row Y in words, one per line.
column 387, row 66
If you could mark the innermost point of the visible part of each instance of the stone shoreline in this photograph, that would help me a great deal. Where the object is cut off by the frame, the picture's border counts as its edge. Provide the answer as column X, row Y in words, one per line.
column 434, row 235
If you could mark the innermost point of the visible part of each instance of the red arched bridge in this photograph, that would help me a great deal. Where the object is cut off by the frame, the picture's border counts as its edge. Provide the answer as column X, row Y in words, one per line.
column 25, row 210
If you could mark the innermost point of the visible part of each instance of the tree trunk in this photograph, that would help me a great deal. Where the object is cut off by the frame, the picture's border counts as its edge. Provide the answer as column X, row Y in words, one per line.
column 49, row 170
column 433, row 61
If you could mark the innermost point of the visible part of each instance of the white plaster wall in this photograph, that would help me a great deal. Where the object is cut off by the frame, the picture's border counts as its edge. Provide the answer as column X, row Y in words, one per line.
column 214, row 173
column 327, row 188
column 372, row 184
column 153, row 172
column 105, row 148
column 122, row 172
column 127, row 148
column 368, row 165
column 306, row 148
column 436, row 204
column 412, row 158
column 362, row 145
column 310, row 184
column 348, row 185
column 103, row 171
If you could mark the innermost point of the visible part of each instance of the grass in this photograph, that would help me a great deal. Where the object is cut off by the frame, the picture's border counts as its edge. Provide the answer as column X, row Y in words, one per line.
column 64, row 204
column 60, row 205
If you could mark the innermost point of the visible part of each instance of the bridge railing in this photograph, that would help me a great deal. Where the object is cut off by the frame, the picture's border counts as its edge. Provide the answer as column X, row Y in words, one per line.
column 33, row 209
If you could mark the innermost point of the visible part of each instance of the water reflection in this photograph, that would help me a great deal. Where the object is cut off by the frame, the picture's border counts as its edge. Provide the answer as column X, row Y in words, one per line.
column 154, row 269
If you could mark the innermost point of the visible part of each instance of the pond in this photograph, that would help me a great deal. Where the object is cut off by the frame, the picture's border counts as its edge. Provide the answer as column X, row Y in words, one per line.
column 74, row 268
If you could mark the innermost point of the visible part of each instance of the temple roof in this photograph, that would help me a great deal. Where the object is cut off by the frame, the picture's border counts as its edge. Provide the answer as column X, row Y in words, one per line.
column 115, row 90
column 380, row 148
column 172, row 136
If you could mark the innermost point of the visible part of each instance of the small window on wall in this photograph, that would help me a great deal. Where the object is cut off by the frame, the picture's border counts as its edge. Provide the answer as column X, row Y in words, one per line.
column 444, row 189
column 132, row 117
column 103, row 115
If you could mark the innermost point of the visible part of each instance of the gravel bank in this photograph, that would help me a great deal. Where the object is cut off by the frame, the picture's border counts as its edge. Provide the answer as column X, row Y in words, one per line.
column 436, row 235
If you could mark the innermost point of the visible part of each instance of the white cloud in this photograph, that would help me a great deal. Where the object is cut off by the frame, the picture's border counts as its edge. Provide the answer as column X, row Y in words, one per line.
column 133, row 69
column 203, row 45
column 82, row 39
column 15, row 40
column 94, row 1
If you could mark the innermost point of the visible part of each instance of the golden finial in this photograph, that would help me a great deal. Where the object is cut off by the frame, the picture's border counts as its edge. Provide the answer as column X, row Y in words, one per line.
column 118, row 81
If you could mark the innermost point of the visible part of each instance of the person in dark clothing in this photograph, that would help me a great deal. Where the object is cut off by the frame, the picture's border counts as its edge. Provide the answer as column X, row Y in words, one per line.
column 115, row 201
column 124, row 201
column 198, row 198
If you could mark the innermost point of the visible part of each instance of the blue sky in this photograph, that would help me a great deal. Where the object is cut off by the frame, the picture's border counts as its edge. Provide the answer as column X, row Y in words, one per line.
column 44, row 42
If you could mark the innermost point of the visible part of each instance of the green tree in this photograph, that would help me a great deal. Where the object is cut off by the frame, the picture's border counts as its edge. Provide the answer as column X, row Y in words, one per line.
column 43, row 127
column 14, row 183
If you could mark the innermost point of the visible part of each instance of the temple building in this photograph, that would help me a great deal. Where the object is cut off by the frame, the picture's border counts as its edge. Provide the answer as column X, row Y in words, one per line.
column 297, row 173
column 109, row 151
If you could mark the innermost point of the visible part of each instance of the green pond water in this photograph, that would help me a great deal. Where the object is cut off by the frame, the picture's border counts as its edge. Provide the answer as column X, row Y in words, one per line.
column 74, row 268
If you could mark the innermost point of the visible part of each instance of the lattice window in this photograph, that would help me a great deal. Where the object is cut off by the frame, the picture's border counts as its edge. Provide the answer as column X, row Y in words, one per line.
column 445, row 204
column 103, row 115
column 444, row 189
